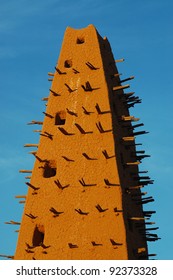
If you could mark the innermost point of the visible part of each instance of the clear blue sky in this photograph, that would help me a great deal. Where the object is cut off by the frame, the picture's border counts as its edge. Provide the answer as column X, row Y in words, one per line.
column 31, row 33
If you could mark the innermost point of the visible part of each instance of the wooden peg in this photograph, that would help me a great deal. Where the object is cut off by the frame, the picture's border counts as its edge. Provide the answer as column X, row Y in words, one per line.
column 87, row 157
column 54, row 93
column 69, row 88
column 60, row 186
column 96, row 244
column 91, row 66
column 65, row 132
column 105, row 153
column 81, row 212
column 75, row 71
column 72, row 246
column 31, row 216
column 87, row 87
column 35, row 122
column 110, row 184
column 37, row 130
column 71, row 112
column 20, row 196
column 100, row 209
column 48, row 115
column 119, row 60
column 7, row 256
column 137, row 125
column 128, row 138
column 115, row 243
column 100, row 128
column 117, row 74
column 86, row 112
column 82, row 182
column 12, row 223
column 128, row 79
column 129, row 118
column 50, row 74
column 31, row 186
column 138, row 218
column 127, row 95
column 48, row 135
column 120, row 87
column 59, row 71
column 139, row 132
column 100, row 111
column 55, row 212
column 30, row 145
column 25, row 171
column 132, row 163
column 68, row 159
column 82, row 130
column 116, row 210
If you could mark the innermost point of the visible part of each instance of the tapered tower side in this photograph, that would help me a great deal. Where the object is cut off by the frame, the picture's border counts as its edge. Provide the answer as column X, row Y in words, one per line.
column 84, row 199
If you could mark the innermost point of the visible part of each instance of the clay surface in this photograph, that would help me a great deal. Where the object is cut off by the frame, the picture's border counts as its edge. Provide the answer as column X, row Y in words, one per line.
column 80, row 202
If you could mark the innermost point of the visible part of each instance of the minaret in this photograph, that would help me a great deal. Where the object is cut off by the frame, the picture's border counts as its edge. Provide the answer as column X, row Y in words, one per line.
column 85, row 195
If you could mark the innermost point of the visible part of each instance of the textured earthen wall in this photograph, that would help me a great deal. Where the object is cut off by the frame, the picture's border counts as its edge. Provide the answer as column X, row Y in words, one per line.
column 80, row 202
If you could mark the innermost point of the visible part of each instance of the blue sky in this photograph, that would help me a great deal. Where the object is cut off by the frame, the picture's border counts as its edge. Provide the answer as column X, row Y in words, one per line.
column 31, row 33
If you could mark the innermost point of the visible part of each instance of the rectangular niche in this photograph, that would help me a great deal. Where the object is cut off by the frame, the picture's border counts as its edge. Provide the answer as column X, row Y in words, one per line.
column 38, row 236
column 49, row 169
column 60, row 118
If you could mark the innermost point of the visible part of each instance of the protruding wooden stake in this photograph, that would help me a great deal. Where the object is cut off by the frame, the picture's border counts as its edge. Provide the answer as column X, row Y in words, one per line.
column 31, row 216
column 65, row 132
column 69, row 88
column 129, row 118
column 119, row 60
column 48, row 115
column 35, row 122
column 31, row 186
column 20, row 196
column 120, row 87
column 81, row 212
column 128, row 138
column 100, row 128
column 72, row 246
column 71, row 112
column 55, row 212
column 12, row 223
column 50, row 74
column 100, row 209
column 25, row 171
column 59, row 71
column 82, row 130
column 60, row 186
column 128, row 79
column 54, row 93
column 88, row 87
column 82, row 182
column 7, row 256
column 91, row 66
column 87, row 157
column 30, row 145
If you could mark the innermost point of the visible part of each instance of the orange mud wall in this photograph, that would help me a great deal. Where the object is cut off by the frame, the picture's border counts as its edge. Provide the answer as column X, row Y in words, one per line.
column 84, row 199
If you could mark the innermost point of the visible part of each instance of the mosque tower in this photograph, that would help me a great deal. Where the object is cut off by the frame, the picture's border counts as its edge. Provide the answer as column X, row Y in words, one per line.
column 85, row 194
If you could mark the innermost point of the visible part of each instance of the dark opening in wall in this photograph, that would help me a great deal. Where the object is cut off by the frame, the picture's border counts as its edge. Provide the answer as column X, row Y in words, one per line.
column 60, row 118
column 68, row 63
column 38, row 236
column 49, row 169
column 80, row 40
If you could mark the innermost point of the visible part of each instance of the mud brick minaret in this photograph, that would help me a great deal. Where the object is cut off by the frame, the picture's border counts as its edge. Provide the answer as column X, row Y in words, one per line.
column 85, row 195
